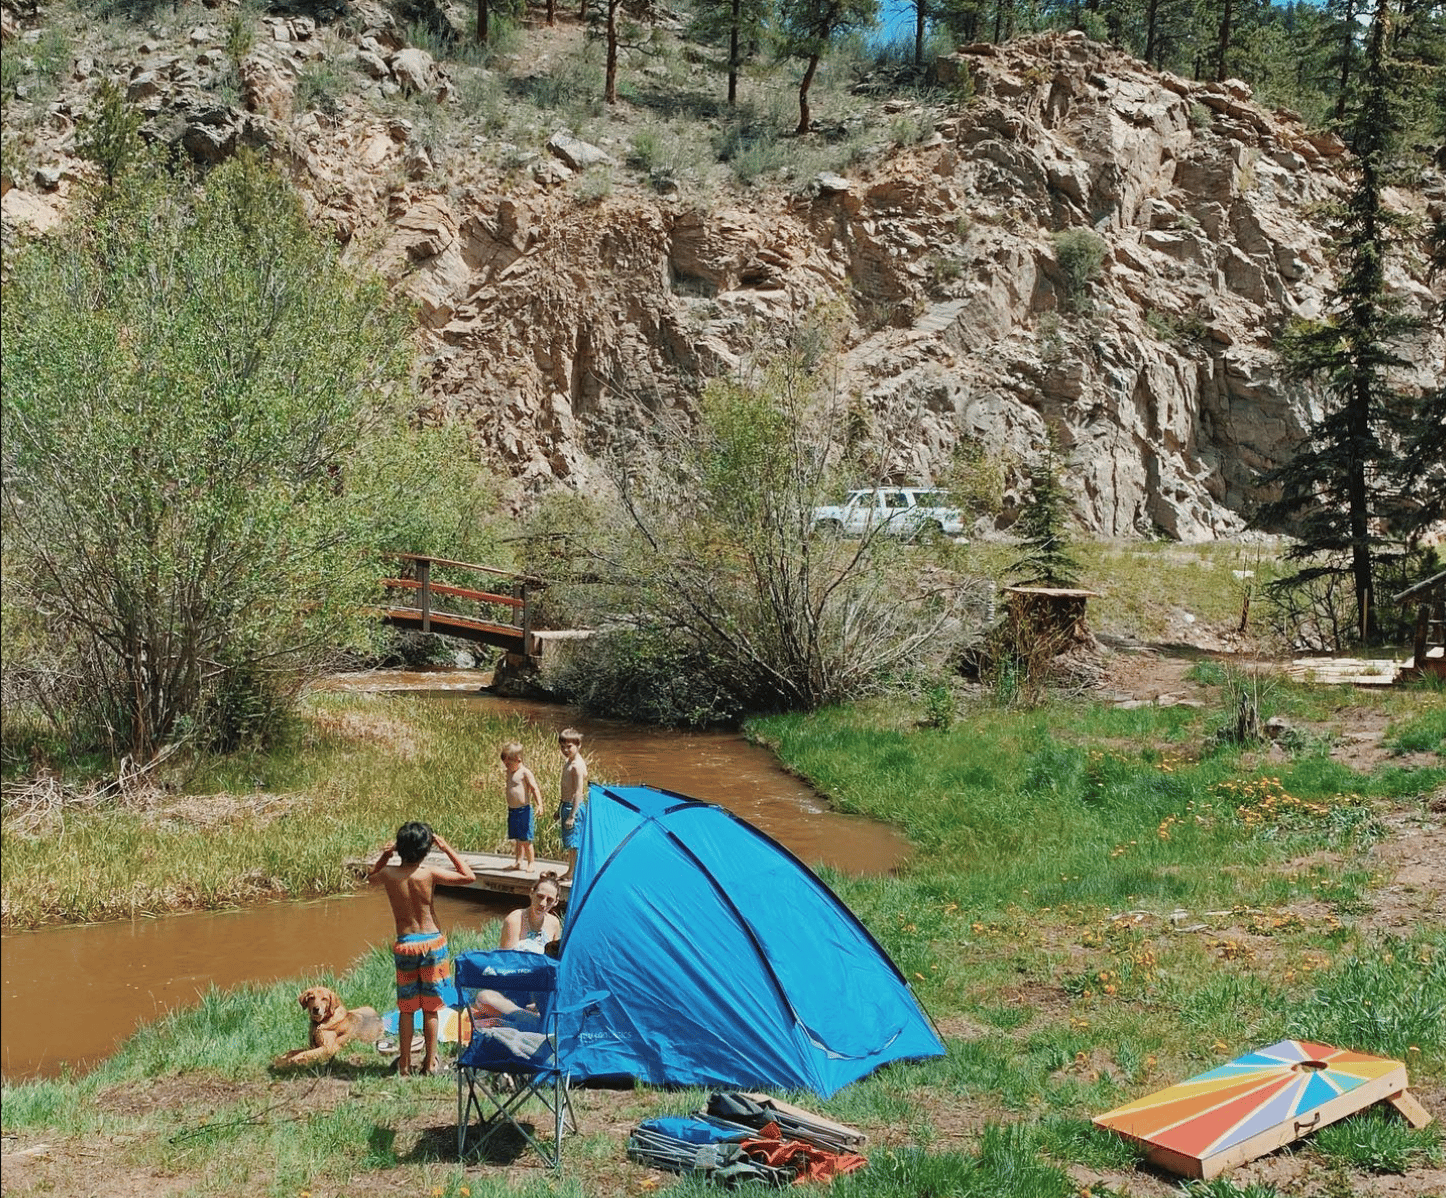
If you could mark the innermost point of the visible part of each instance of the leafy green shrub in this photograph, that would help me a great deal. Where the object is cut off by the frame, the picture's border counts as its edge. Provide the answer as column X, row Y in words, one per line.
column 53, row 54
column 1176, row 329
column 12, row 71
column 204, row 443
column 647, row 676
column 322, row 86
column 240, row 35
column 940, row 710
column 1080, row 253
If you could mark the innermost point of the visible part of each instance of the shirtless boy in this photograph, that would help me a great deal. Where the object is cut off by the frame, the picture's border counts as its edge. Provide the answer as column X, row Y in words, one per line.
column 420, row 953
column 522, row 795
column 574, row 793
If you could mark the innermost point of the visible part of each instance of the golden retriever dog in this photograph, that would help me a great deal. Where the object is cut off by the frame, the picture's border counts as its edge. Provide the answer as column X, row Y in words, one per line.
column 332, row 1027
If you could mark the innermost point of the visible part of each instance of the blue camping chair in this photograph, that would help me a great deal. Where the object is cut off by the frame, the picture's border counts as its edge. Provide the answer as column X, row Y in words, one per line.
column 511, row 1056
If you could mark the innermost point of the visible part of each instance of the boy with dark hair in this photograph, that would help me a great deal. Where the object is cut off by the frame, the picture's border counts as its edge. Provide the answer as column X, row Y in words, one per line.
column 420, row 952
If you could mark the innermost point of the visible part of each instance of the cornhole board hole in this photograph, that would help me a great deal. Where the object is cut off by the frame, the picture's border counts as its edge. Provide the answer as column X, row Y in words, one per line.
column 1257, row 1102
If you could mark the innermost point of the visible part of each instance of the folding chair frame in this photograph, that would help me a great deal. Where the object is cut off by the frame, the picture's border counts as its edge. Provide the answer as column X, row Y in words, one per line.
column 549, row 1086
column 496, row 1093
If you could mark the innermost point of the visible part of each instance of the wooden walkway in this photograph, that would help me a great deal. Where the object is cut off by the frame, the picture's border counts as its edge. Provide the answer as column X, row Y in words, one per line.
column 1346, row 671
column 494, row 871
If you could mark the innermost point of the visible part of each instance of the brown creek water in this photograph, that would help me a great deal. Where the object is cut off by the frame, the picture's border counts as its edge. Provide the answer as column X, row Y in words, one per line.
column 69, row 995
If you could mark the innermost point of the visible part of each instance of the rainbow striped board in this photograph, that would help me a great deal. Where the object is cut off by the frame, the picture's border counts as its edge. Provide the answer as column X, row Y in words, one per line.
column 1254, row 1104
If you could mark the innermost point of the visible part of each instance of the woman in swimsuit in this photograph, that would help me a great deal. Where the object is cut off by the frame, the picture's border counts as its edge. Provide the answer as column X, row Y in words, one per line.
column 533, row 927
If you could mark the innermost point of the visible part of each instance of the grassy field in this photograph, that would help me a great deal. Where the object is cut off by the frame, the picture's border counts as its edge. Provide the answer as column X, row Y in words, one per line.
column 281, row 823
column 351, row 769
column 1103, row 902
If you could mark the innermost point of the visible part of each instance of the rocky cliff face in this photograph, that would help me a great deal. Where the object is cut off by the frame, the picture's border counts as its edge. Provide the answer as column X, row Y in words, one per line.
column 552, row 322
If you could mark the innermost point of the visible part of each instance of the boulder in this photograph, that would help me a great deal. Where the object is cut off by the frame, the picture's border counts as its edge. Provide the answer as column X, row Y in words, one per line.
column 413, row 69
column 266, row 87
column 578, row 155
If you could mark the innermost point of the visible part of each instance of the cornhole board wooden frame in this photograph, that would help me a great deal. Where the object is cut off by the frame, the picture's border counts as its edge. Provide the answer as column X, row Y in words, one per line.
column 1257, row 1103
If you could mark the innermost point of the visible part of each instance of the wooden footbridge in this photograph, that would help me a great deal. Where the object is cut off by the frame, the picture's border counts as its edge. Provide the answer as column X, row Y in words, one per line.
column 501, row 618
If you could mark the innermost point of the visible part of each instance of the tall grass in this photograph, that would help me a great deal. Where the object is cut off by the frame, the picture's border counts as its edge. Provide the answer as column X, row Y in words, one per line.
column 356, row 768
column 1017, row 807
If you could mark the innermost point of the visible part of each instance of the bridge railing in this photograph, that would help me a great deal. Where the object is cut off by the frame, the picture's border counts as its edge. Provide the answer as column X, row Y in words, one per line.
column 513, row 620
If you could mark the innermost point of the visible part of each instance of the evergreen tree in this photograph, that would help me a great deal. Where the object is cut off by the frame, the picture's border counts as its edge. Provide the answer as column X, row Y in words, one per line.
column 810, row 27
column 1339, row 42
column 618, row 24
column 110, row 132
column 1423, row 457
column 1043, row 528
column 1340, row 493
column 1419, row 46
column 739, row 26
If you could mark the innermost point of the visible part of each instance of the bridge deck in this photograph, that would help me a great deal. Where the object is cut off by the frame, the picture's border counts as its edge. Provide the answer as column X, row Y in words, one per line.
column 504, row 636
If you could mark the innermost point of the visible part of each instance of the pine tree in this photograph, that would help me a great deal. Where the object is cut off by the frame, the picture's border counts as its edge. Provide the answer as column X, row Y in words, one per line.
column 810, row 27
column 1422, row 463
column 1341, row 491
column 1043, row 528
column 740, row 26
column 620, row 26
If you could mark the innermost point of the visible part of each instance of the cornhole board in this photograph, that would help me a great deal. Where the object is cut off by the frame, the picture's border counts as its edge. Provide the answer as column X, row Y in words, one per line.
column 1257, row 1102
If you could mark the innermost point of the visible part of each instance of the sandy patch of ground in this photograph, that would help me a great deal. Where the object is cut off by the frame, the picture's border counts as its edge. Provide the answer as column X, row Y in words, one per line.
column 1412, row 864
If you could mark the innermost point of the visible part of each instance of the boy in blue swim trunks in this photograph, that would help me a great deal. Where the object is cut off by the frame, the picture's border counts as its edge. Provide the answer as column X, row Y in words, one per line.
column 420, row 952
column 574, row 793
column 522, row 795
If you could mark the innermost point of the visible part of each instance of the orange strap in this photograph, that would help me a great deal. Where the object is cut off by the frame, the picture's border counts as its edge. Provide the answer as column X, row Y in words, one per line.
column 810, row 1162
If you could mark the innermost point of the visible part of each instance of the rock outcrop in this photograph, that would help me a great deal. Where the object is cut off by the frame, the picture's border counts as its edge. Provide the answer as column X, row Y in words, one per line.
column 558, row 314
column 552, row 325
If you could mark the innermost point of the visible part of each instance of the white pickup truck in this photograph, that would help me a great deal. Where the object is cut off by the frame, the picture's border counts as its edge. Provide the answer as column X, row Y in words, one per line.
column 895, row 511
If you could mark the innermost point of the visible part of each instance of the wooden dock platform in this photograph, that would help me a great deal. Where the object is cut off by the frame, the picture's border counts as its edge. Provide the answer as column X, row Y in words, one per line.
column 494, row 871
column 1345, row 671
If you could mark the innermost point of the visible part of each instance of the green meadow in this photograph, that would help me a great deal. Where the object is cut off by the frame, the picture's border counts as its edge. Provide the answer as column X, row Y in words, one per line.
column 1101, row 902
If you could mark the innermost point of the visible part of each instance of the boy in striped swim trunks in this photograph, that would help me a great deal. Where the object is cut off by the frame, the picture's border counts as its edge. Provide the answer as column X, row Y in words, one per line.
column 420, row 953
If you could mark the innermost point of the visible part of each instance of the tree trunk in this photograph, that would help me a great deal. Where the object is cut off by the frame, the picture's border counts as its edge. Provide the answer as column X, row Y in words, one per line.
column 483, row 33
column 1222, row 49
column 1347, row 51
column 610, row 77
column 733, row 61
column 1152, row 33
column 551, row 11
column 804, row 116
column 921, row 15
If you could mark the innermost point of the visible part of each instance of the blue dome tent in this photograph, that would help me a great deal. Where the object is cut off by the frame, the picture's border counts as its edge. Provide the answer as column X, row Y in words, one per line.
column 698, row 951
